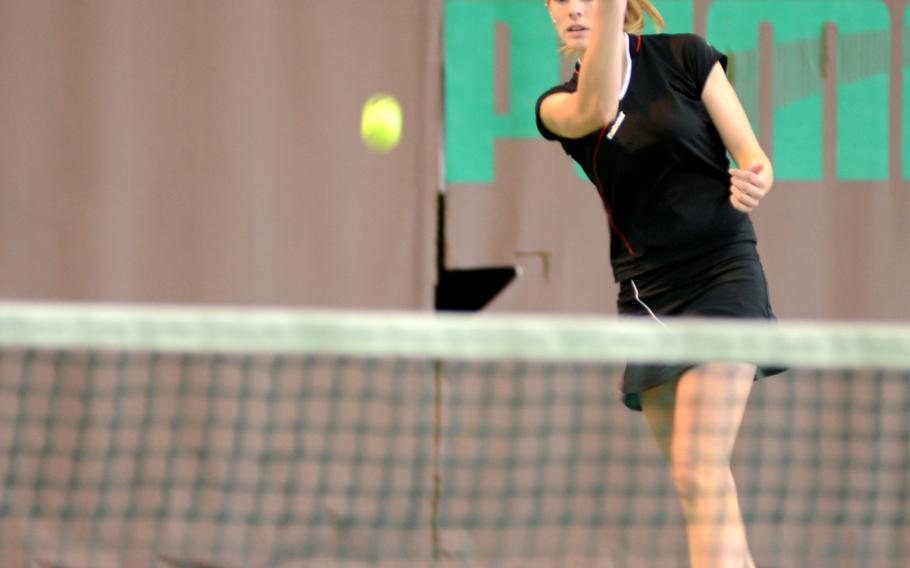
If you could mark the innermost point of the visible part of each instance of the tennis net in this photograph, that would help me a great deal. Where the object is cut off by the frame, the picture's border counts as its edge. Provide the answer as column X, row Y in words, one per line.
column 157, row 436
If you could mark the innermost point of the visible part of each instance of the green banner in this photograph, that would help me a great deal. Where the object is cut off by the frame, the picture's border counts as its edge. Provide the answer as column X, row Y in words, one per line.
column 472, row 125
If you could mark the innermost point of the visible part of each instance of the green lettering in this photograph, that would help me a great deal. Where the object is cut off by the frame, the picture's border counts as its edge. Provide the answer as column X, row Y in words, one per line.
column 470, row 122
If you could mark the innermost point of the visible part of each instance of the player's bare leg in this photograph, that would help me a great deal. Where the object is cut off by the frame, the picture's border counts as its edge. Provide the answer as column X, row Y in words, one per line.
column 695, row 421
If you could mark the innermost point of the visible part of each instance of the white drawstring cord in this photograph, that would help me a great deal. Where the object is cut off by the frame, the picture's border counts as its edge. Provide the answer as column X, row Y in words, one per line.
column 639, row 300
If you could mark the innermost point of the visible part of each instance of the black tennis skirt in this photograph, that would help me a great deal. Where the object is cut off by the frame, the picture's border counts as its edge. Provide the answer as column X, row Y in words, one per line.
column 726, row 283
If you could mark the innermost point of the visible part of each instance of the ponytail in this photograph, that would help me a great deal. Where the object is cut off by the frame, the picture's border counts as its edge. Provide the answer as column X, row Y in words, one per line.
column 635, row 16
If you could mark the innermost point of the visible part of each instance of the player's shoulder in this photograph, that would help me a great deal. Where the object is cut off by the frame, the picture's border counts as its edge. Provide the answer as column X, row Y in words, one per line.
column 569, row 86
column 673, row 42
column 679, row 50
column 564, row 88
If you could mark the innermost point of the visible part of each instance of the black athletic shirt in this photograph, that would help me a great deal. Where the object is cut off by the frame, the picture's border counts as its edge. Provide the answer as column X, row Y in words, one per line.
column 663, row 176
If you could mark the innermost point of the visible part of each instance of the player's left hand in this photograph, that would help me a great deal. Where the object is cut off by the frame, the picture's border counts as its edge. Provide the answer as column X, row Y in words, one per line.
column 747, row 187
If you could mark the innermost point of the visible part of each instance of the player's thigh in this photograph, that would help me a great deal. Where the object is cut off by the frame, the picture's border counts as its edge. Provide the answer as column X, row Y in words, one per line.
column 657, row 405
column 710, row 401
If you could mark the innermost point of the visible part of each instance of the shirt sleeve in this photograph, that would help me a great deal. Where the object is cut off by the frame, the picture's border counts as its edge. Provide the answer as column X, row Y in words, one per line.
column 699, row 58
column 544, row 131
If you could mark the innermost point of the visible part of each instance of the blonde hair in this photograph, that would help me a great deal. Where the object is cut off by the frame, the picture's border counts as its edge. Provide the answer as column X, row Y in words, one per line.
column 634, row 20
column 635, row 16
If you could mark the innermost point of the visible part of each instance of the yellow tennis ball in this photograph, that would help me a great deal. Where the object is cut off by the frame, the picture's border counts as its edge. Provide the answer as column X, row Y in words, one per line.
column 380, row 123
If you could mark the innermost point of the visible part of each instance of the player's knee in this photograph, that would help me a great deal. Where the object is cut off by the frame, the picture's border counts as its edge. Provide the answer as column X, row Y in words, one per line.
column 700, row 481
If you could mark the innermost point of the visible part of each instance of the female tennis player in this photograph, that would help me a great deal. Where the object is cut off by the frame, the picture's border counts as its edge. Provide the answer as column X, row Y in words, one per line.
column 650, row 119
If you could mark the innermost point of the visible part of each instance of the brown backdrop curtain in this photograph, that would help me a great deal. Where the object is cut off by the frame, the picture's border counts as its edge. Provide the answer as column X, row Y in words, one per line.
column 201, row 151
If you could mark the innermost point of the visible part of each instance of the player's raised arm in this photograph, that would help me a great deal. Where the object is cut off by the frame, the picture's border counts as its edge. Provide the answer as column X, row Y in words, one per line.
column 593, row 30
